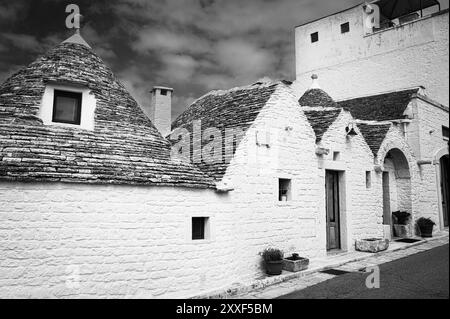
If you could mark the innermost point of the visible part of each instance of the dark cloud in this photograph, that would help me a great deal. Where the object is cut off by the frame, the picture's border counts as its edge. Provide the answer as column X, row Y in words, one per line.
column 191, row 45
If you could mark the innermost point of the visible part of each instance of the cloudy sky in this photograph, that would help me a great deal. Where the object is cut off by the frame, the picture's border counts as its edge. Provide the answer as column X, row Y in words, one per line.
column 193, row 46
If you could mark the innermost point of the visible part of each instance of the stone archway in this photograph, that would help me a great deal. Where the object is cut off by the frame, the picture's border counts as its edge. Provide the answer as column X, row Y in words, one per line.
column 397, row 190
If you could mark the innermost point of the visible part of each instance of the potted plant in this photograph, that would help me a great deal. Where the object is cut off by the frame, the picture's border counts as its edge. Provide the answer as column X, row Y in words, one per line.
column 402, row 228
column 273, row 259
column 426, row 226
column 295, row 263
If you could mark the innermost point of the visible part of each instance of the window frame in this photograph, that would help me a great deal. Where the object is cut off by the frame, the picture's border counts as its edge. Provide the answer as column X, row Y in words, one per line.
column 368, row 179
column 76, row 95
column 445, row 130
column 205, row 230
column 284, row 182
column 347, row 26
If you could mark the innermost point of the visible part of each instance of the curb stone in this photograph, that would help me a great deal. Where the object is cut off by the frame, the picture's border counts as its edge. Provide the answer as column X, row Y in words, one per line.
column 241, row 289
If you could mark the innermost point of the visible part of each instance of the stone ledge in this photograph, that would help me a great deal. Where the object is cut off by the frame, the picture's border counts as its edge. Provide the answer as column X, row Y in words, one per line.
column 230, row 292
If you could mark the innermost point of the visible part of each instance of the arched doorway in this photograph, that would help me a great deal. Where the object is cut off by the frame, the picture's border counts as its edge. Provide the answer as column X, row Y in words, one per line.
column 443, row 164
column 396, row 185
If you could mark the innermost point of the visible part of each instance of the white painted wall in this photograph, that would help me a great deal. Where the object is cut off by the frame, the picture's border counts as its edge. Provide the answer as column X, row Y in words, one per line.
column 126, row 241
column 260, row 220
column 400, row 198
column 430, row 120
column 362, row 215
column 410, row 55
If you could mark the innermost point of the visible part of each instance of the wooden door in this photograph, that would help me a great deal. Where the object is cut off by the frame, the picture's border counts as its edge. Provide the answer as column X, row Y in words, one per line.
column 387, row 218
column 445, row 190
column 333, row 210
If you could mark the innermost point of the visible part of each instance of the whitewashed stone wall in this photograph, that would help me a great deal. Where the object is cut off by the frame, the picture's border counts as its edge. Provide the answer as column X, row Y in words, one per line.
column 410, row 55
column 123, row 241
column 362, row 216
column 393, row 197
column 261, row 220
column 407, row 191
column 430, row 120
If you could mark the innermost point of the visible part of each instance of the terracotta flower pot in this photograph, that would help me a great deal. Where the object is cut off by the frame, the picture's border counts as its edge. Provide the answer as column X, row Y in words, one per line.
column 426, row 231
column 274, row 268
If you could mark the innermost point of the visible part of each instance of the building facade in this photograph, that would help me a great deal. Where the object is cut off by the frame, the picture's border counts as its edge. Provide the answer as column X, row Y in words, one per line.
column 402, row 54
column 389, row 61
column 95, row 201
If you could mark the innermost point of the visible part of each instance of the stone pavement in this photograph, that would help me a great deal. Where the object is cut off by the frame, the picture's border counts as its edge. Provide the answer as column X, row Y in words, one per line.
column 353, row 262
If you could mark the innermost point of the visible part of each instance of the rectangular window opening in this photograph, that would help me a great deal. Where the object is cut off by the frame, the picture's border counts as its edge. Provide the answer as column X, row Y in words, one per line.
column 200, row 228
column 345, row 27
column 67, row 107
column 163, row 92
column 314, row 37
column 368, row 179
column 445, row 132
column 336, row 156
column 284, row 190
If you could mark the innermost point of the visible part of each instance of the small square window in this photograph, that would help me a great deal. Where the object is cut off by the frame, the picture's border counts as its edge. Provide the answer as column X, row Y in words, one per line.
column 284, row 190
column 445, row 132
column 336, row 156
column 368, row 179
column 345, row 27
column 163, row 92
column 67, row 107
column 200, row 229
column 314, row 37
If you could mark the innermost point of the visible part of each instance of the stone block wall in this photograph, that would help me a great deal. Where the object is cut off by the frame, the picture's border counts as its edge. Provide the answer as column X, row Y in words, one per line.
column 413, row 54
column 83, row 241
column 261, row 219
column 362, row 215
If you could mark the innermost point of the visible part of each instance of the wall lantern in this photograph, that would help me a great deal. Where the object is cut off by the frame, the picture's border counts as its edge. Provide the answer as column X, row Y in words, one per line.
column 350, row 129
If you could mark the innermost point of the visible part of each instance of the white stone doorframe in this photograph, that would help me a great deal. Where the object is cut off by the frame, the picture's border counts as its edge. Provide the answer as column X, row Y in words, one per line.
column 345, row 219
column 437, row 166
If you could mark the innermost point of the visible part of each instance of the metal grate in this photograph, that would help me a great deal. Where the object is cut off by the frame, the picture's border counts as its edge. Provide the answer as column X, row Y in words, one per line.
column 407, row 240
column 335, row 272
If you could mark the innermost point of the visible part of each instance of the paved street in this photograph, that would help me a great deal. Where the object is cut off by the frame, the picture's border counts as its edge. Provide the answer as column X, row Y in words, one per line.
column 422, row 275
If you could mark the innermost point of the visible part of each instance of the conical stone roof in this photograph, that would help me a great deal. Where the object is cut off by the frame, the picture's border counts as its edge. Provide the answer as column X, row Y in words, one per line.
column 124, row 148
column 317, row 97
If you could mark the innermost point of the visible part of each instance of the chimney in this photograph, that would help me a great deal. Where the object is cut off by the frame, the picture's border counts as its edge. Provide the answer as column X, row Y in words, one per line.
column 161, row 109
column 315, row 82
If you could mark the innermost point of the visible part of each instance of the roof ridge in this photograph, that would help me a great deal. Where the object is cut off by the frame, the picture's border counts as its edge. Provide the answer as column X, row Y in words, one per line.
column 413, row 88
column 231, row 90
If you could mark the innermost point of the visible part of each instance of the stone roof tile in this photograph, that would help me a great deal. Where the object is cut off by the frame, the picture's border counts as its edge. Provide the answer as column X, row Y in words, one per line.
column 374, row 134
column 317, row 97
column 124, row 148
column 321, row 120
column 380, row 107
column 233, row 109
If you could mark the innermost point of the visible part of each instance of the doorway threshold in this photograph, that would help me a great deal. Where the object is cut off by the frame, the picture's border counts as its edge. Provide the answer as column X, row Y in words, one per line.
column 336, row 252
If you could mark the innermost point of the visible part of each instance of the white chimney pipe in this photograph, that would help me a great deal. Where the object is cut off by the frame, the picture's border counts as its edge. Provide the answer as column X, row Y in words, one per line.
column 161, row 109
column 315, row 82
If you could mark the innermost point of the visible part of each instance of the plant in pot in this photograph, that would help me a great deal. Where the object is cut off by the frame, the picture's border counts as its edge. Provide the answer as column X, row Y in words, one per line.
column 295, row 263
column 402, row 228
column 426, row 226
column 273, row 259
